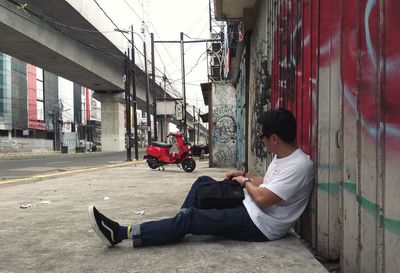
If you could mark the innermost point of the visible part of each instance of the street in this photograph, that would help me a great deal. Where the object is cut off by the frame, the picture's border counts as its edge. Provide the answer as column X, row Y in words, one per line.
column 21, row 168
column 44, row 227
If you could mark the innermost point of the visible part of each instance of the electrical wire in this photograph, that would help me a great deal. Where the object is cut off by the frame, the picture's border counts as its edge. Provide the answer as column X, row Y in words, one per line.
column 165, row 48
column 133, row 10
column 109, row 18
column 174, row 91
column 50, row 20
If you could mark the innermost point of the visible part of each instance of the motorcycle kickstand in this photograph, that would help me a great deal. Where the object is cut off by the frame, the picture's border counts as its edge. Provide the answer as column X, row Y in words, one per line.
column 179, row 166
column 162, row 167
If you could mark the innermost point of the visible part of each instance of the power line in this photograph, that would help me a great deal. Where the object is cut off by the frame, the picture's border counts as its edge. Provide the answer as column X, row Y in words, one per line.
column 158, row 53
column 109, row 18
column 133, row 10
column 39, row 16
column 130, row 7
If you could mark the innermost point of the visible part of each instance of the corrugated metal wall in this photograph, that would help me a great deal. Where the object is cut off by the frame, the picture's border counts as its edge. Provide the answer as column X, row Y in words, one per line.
column 336, row 65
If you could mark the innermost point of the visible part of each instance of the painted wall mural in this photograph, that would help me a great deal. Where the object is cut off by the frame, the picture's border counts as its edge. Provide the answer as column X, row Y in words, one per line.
column 224, row 125
column 362, row 37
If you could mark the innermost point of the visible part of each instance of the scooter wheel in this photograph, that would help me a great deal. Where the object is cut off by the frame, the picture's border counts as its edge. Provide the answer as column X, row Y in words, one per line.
column 153, row 164
column 188, row 165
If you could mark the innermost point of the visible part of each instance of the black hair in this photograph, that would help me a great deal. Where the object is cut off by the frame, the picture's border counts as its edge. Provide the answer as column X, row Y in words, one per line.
column 280, row 122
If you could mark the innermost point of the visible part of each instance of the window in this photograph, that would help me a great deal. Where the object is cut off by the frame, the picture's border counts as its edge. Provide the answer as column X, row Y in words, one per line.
column 39, row 94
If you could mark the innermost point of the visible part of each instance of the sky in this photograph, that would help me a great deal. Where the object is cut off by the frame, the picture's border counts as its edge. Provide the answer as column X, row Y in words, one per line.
column 166, row 19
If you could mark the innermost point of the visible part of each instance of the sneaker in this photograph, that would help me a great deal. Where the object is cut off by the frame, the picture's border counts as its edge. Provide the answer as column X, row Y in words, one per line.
column 105, row 228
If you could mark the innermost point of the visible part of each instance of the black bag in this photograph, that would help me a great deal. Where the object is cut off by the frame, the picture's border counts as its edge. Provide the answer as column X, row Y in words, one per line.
column 219, row 195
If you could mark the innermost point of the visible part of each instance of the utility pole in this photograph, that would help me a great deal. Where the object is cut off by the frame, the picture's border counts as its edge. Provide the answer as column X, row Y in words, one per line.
column 147, row 94
column 165, row 124
column 153, row 84
column 182, row 42
column 183, row 85
column 127, row 109
column 198, row 129
column 194, row 125
column 60, row 123
column 134, row 95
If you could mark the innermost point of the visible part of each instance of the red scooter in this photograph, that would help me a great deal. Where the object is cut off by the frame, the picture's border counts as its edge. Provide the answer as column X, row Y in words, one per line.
column 158, row 154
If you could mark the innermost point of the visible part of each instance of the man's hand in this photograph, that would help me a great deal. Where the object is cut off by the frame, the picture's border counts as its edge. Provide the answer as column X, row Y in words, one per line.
column 233, row 173
column 240, row 179
column 262, row 196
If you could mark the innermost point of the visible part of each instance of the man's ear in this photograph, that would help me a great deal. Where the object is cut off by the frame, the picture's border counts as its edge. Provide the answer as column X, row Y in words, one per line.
column 275, row 138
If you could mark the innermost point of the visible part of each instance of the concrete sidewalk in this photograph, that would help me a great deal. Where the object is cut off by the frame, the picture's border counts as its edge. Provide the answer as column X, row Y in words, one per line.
column 54, row 234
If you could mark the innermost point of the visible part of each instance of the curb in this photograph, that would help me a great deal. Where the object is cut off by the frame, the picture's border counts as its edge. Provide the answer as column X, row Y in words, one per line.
column 55, row 154
column 73, row 171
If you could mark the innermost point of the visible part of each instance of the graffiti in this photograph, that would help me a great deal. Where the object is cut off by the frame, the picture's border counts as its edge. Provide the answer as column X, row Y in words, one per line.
column 223, row 97
column 224, row 127
column 261, row 104
column 366, row 88
column 347, row 54
column 225, row 154
column 225, row 130
column 5, row 142
column 224, row 124
column 241, row 113
column 224, row 110
column 291, row 86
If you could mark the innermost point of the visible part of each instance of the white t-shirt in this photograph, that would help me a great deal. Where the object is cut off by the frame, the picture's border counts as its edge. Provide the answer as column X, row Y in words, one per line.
column 290, row 178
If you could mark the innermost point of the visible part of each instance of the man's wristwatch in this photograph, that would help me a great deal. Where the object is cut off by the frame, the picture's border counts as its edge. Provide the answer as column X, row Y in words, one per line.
column 246, row 179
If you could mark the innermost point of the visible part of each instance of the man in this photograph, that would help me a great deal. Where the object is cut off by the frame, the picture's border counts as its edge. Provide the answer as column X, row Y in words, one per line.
column 271, row 206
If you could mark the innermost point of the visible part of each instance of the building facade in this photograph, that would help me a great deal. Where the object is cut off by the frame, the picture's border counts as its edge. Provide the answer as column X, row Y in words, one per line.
column 37, row 108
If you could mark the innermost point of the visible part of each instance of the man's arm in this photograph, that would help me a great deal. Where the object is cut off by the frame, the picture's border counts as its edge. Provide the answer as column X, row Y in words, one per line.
column 256, row 180
column 262, row 196
column 234, row 173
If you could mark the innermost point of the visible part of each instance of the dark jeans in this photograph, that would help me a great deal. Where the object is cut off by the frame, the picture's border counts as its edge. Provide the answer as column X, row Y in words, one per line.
column 233, row 223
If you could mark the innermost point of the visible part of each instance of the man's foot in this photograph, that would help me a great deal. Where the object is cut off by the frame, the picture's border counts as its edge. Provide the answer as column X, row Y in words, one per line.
column 105, row 228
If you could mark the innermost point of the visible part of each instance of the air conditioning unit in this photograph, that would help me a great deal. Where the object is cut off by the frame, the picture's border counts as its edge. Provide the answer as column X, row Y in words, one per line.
column 216, row 47
column 215, row 72
column 216, row 61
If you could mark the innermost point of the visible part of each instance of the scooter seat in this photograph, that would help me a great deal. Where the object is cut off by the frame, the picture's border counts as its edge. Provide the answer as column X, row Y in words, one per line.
column 161, row 144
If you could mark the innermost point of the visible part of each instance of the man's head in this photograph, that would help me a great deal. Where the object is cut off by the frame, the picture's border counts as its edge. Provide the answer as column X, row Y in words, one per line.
column 278, row 128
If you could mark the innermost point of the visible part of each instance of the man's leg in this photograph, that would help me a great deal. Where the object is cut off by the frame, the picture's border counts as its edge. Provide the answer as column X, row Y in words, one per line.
column 233, row 223
column 111, row 233
column 190, row 198
column 108, row 230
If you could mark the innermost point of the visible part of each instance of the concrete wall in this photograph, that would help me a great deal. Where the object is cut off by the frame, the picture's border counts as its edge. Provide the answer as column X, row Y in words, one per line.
column 223, row 125
column 241, row 121
column 335, row 65
column 257, row 101
column 21, row 145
